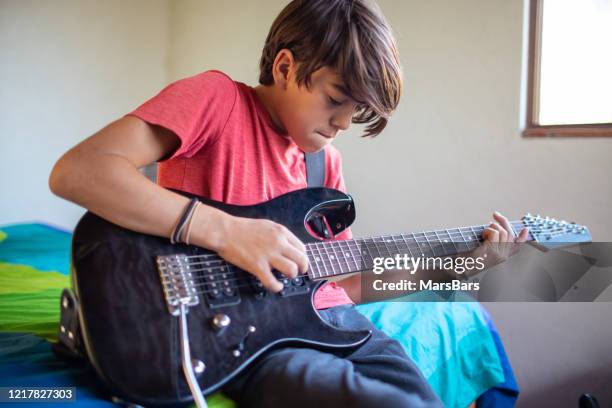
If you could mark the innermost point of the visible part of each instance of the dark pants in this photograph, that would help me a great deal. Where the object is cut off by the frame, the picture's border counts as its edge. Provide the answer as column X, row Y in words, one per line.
column 379, row 374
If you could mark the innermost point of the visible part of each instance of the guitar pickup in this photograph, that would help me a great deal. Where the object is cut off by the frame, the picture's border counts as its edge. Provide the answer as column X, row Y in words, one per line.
column 293, row 287
column 220, row 287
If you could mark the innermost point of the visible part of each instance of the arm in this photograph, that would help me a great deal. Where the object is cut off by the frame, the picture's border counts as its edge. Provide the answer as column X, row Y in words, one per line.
column 101, row 174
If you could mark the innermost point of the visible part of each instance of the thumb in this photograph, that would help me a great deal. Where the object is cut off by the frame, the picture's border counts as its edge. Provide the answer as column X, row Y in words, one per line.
column 523, row 235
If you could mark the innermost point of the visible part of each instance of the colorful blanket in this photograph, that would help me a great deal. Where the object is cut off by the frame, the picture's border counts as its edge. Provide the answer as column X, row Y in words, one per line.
column 451, row 343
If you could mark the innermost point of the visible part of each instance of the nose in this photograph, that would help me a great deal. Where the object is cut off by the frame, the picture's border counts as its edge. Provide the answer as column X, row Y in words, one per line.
column 342, row 119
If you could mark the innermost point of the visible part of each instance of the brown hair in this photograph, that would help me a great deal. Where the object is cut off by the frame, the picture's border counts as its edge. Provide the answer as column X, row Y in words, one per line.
column 350, row 36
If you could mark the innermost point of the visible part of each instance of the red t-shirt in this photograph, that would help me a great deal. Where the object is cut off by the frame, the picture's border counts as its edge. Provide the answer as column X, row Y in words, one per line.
column 231, row 151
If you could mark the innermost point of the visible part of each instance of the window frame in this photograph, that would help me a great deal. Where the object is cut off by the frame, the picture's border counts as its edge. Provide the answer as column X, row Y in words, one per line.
column 532, row 128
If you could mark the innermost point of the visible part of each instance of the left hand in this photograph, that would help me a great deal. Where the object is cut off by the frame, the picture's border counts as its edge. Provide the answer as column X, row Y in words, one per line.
column 500, row 242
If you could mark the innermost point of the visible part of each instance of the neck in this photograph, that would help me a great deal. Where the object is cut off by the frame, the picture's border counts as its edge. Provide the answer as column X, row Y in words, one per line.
column 269, row 98
column 333, row 258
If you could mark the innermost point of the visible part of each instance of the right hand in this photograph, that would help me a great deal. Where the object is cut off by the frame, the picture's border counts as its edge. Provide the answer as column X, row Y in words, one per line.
column 258, row 246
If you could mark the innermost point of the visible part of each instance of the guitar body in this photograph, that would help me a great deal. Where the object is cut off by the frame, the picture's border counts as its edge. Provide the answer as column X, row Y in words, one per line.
column 133, row 340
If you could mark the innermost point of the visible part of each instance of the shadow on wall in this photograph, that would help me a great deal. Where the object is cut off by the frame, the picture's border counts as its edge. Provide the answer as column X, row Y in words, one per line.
column 567, row 394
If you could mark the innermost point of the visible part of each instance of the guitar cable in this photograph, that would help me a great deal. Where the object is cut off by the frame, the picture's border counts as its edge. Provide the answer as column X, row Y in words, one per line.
column 194, row 387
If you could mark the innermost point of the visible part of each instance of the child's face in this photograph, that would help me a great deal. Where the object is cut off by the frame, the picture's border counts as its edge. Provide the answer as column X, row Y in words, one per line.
column 314, row 116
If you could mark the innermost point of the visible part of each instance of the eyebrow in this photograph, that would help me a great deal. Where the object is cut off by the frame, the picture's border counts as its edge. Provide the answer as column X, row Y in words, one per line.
column 342, row 89
column 346, row 93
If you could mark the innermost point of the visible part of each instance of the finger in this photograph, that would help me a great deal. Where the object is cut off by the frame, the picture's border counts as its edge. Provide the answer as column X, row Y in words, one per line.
column 503, row 221
column 285, row 266
column 503, row 234
column 295, row 241
column 490, row 234
column 296, row 256
column 523, row 235
column 265, row 276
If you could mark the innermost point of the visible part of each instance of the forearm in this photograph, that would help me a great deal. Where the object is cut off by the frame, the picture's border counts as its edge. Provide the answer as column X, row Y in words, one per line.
column 111, row 187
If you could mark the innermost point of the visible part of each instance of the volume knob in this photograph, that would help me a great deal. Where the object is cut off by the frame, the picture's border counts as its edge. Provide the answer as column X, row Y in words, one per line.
column 220, row 321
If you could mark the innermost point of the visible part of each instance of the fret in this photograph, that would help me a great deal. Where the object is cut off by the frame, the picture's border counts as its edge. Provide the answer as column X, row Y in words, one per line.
column 312, row 258
column 418, row 244
column 313, row 262
column 376, row 247
column 324, row 259
column 433, row 252
column 350, row 256
column 369, row 261
column 330, row 258
column 385, row 241
column 338, row 257
column 400, row 244
column 344, row 256
column 476, row 237
column 380, row 255
column 359, row 261
column 471, row 235
column 464, row 247
column 321, row 259
column 407, row 245
column 441, row 244
column 397, row 247
column 452, row 241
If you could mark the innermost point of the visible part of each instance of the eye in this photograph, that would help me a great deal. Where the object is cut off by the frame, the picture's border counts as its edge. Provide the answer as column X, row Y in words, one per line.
column 334, row 102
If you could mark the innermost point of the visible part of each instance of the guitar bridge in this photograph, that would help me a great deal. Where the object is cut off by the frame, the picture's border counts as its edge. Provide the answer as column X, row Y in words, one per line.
column 178, row 282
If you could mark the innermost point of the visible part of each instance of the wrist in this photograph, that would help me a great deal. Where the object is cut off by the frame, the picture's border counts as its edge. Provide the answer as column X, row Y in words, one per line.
column 211, row 228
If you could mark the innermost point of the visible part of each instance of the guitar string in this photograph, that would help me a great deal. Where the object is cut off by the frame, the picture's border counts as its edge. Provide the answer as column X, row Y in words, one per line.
column 248, row 281
column 383, row 239
column 253, row 278
column 241, row 275
column 220, row 270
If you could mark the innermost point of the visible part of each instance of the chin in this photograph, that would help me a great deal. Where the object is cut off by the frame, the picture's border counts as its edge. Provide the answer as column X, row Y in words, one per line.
column 319, row 147
column 313, row 146
column 311, row 149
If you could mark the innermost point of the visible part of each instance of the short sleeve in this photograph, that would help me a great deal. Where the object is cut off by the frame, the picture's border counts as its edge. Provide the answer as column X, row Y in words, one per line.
column 196, row 109
column 334, row 179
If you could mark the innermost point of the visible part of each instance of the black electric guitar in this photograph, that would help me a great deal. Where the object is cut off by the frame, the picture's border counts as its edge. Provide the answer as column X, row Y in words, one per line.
column 163, row 324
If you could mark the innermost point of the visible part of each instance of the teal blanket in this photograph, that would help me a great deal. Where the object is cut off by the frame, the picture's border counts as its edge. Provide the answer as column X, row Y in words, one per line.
column 450, row 342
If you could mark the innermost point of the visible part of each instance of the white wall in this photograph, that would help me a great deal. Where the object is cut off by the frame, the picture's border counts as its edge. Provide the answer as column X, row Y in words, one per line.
column 67, row 68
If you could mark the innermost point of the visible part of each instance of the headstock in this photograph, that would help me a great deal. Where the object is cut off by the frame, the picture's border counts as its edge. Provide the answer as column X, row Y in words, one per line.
column 551, row 233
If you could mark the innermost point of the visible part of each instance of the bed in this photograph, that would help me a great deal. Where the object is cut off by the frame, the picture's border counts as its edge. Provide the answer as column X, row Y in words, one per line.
column 455, row 345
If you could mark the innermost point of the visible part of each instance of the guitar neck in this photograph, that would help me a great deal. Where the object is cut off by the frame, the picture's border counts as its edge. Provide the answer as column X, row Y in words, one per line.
column 334, row 258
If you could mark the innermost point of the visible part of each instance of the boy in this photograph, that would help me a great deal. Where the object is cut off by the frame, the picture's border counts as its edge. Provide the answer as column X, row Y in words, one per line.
column 325, row 64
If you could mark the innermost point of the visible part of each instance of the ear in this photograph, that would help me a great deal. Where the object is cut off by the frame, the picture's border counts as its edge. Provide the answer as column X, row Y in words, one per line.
column 283, row 68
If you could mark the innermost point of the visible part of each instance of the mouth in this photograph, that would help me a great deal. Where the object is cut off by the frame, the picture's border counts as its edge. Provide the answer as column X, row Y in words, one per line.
column 325, row 135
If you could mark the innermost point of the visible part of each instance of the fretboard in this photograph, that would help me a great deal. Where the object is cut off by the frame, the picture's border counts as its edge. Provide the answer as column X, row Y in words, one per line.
column 333, row 258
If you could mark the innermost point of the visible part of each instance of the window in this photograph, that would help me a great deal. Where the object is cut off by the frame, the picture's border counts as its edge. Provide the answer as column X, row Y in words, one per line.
column 569, row 68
